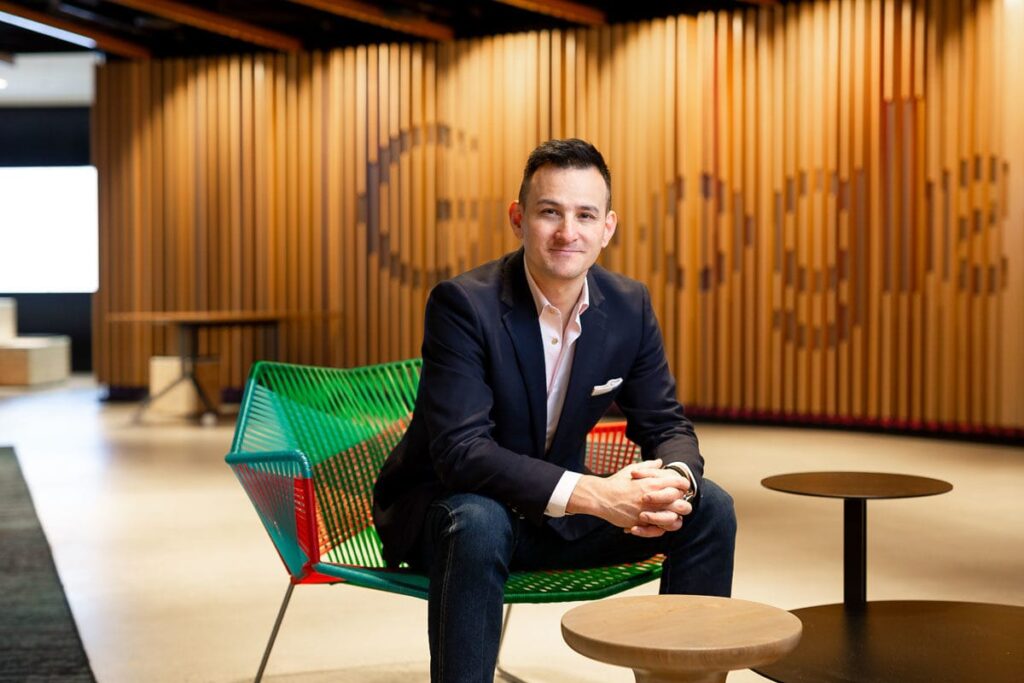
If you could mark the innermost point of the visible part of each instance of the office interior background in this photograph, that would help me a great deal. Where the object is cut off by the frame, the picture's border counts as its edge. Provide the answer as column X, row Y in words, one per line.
column 825, row 198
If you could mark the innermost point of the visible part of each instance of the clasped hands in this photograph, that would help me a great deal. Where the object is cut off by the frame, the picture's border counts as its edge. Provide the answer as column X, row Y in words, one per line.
column 642, row 498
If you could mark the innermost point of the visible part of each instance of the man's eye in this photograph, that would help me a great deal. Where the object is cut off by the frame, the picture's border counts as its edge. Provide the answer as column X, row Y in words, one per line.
column 587, row 216
column 549, row 212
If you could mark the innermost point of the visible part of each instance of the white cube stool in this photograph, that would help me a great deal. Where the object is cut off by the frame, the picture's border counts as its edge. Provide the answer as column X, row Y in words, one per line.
column 34, row 359
column 182, row 400
column 8, row 319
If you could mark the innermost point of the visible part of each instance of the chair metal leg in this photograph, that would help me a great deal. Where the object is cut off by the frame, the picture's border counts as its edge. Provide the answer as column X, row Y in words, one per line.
column 273, row 634
column 511, row 678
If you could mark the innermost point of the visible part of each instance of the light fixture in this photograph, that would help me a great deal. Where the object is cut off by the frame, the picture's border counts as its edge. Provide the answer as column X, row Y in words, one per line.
column 3, row 84
column 59, row 34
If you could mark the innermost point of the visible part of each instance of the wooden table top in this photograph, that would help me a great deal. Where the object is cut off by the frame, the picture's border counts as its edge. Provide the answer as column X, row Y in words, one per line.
column 865, row 485
column 680, row 632
column 197, row 316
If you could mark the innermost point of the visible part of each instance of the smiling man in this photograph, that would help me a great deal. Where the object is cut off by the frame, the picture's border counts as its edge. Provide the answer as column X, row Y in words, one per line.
column 521, row 358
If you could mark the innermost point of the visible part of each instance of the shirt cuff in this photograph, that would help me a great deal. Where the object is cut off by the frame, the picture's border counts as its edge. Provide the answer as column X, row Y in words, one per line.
column 560, row 496
column 680, row 467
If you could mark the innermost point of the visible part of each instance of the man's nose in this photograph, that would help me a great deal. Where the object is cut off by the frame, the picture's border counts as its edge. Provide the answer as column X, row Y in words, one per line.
column 568, row 231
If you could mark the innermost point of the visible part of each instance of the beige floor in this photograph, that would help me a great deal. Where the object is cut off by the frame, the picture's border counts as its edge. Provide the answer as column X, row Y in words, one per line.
column 171, row 578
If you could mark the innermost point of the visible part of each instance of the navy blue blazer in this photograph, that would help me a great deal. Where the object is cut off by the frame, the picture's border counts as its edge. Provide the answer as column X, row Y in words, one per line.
column 480, row 416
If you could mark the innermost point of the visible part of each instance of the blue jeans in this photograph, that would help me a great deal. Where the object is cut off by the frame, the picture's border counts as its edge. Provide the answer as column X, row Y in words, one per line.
column 470, row 543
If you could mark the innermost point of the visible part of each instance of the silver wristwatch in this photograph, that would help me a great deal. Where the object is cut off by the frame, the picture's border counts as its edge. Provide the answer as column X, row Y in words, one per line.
column 681, row 469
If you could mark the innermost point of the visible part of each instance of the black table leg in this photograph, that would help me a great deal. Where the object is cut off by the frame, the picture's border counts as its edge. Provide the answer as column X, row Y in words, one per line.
column 188, row 354
column 188, row 348
column 855, row 553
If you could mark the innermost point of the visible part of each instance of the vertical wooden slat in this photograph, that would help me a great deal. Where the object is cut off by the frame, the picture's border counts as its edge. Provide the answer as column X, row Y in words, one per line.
column 392, row 274
column 362, row 259
column 319, row 246
column 807, row 115
column 380, row 189
column 334, row 228
column 243, row 167
column 724, row 349
column 963, row 250
column 833, row 187
column 933, row 218
column 1011, row 213
column 765, row 220
column 818, row 185
column 780, row 95
column 905, row 142
column 918, row 339
column 873, row 228
column 706, row 387
column 406, row 260
column 349, row 209
column 749, row 218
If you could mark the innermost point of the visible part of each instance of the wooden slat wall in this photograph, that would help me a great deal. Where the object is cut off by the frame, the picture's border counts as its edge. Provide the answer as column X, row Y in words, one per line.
column 819, row 196
column 1010, row 321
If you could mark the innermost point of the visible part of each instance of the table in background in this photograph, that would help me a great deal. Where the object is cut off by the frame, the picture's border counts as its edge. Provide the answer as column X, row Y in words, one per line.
column 856, row 489
column 188, row 324
column 892, row 641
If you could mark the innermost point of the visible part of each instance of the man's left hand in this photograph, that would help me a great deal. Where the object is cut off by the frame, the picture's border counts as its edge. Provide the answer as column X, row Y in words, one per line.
column 665, row 508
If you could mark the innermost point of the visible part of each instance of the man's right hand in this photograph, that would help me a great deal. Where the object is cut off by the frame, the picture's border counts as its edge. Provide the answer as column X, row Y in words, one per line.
column 641, row 498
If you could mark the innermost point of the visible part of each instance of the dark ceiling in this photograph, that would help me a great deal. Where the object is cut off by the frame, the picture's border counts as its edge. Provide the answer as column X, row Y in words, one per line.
column 162, row 28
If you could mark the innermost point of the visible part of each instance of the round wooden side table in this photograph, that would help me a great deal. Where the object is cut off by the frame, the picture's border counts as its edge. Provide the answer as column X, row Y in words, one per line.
column 906, row 641
column 689, row 638
column 856, row 489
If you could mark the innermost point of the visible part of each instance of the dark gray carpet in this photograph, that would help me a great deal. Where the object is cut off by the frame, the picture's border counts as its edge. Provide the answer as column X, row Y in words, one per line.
column 38, row 637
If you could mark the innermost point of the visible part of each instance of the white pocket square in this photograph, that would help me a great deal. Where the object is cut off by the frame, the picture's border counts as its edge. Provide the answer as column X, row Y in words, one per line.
column 606, row 387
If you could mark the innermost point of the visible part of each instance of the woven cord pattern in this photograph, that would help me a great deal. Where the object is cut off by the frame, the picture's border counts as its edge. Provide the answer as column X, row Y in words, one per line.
column 342, row 423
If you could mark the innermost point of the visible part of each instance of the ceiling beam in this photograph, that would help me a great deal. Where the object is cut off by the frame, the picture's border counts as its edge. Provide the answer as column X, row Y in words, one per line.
column 213, row 22
column 561, row 9
column 369, row 13
column 104, row 41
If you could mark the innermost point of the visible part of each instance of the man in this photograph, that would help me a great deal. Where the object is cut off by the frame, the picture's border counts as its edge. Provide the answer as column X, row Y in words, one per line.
column 521, row 357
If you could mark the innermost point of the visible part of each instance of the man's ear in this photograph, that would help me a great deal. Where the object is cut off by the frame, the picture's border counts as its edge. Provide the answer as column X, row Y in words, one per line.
column 515, row 218
column 611, row 220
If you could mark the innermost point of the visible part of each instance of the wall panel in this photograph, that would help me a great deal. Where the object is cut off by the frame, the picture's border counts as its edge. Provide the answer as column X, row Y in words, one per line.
column 820, row 196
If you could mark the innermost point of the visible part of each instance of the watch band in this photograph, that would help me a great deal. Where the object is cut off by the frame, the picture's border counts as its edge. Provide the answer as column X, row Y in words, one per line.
column 677, row 467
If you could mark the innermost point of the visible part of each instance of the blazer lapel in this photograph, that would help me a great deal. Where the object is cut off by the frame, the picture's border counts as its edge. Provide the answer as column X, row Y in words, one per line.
column 521, row 322
column 587, row 366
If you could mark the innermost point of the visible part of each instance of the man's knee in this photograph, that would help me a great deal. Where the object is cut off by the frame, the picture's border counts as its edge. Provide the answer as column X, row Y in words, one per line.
column 477, row 527
column 717, row 510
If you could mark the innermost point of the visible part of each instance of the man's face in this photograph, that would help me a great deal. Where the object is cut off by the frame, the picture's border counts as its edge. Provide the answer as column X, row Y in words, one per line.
column 563, row 224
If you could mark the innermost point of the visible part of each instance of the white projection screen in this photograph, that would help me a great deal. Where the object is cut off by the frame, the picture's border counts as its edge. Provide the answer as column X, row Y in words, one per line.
column 48, row 229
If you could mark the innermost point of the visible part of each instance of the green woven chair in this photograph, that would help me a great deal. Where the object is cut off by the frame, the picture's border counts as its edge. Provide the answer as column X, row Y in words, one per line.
column 307, row 449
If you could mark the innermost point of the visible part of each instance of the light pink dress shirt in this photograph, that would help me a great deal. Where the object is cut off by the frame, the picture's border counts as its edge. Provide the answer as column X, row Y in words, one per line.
column 559, row 353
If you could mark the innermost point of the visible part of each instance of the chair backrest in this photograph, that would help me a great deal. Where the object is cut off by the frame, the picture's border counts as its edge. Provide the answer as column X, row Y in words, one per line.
column 307, row 448
column 310, row 442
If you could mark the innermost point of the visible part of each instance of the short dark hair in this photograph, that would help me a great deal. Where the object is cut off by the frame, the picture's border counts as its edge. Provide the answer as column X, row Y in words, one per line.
column 569, row 153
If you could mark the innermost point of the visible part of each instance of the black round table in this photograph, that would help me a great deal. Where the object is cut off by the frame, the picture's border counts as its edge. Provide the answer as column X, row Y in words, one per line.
column 906, row 642
column 856, row 488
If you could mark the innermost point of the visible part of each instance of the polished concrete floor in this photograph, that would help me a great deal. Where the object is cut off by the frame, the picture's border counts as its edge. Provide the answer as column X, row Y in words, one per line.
column 171, row 577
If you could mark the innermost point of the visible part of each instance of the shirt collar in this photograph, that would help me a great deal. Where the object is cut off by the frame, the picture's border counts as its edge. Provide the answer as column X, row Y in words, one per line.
column 542, row 302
